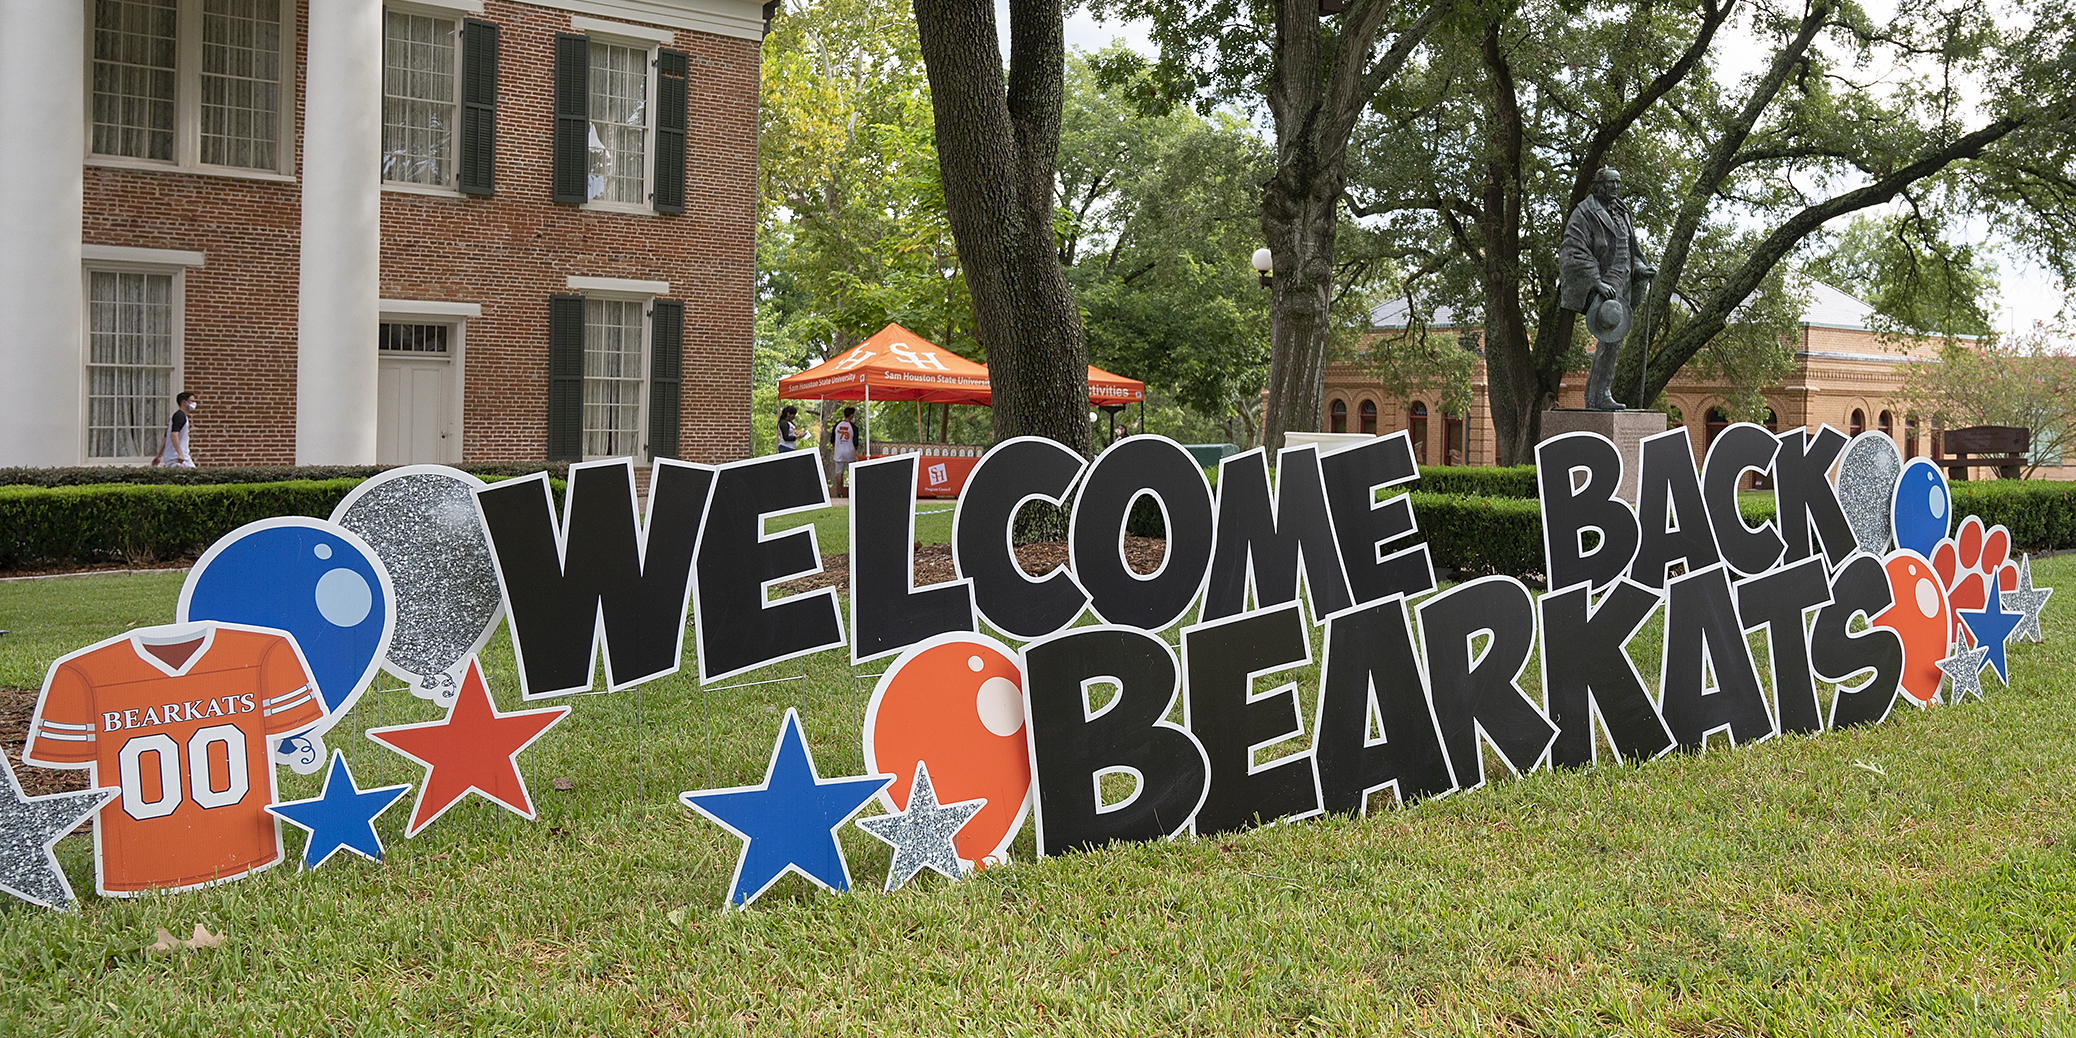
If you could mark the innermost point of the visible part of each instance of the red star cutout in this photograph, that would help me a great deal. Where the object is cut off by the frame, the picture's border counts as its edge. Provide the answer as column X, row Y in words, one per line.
column 475, row 748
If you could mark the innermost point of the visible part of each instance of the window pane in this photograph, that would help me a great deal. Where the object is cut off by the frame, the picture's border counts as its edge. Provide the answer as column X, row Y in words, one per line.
column 418, row 99
column 133, row 78
column 241, row 82
column 612, row 377
column 413, row 338
column 129, row 363
column 619, row 123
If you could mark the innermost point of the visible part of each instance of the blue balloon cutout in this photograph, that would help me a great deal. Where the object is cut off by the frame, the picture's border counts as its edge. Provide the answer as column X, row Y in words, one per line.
column 313, row 579
column 1922, row 509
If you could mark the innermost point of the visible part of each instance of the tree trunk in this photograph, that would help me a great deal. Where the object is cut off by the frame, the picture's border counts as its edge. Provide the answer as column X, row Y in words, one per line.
column 1300, row 217
column 1513, row 387
column 997, row 150
column 1316, row 93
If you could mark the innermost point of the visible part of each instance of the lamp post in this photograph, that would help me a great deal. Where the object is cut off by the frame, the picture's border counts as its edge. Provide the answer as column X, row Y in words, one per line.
column 1265, row 265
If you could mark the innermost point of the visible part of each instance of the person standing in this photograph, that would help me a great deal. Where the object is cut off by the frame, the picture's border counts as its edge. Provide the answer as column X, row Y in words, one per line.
column 844, row 435
column 173, row 446
column 788, row 431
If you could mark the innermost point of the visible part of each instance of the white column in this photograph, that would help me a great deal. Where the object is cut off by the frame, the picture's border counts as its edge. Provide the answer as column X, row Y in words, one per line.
column 42, row 140
column 338, row 305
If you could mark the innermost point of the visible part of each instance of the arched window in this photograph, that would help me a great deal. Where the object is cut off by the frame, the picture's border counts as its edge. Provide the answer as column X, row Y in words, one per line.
column 1674, row 416
column 1715, row 422
column 1772, row 421
column 1858, row 424
column 1909, row 436
column 1416, row 425
column 1369, row 418
column 1453, row 445
column 1339, row 411
column 1882, row 422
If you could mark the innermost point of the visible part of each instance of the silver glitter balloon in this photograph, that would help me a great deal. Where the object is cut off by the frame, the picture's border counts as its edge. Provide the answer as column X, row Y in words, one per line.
column 421, row 520
column 29, row 827
column 1867, row 477
column 922, row 835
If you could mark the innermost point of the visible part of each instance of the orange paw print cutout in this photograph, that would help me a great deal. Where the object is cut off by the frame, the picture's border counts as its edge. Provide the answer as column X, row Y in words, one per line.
column 1971, row 564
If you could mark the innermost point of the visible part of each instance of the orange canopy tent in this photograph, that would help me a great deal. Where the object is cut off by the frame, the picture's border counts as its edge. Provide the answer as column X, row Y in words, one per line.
column 1103, row 388
column 895, row 364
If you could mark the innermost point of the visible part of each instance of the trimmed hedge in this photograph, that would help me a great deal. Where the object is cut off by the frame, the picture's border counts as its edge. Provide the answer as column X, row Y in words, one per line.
column 153, row 474
column 1485, row 481
column 89, row 525
column 1481, row 534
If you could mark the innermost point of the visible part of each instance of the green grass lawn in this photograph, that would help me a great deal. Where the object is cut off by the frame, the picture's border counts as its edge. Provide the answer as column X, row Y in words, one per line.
column 1914, row 878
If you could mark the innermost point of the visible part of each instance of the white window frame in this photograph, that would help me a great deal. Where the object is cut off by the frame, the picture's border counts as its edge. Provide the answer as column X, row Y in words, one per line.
column 187, row 102
column 455, row 11
column 455, row 316
column 644, row 293
column 649, row 40
column 109, row 259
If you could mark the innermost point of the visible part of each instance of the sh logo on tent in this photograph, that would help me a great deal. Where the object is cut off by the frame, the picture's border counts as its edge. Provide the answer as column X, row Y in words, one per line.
column 939, row 475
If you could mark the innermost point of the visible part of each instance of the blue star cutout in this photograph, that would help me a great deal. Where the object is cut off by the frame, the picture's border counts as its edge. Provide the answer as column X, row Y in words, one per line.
column 1991, row 628
column 342, row 817
column 790, row 821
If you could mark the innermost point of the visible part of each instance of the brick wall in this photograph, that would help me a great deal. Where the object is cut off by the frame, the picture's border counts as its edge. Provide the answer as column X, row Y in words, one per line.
column 512, row 251
column 240, row 338
column 508, row 253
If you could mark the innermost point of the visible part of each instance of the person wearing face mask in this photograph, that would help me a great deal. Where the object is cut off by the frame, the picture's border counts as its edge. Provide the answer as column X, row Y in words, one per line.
column 173, row 447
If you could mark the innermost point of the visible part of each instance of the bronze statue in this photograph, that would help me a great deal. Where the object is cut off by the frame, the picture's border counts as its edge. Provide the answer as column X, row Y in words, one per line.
column 1597, row 267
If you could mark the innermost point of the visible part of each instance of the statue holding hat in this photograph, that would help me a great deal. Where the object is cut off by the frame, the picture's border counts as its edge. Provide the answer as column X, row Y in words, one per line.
column 1596, row 267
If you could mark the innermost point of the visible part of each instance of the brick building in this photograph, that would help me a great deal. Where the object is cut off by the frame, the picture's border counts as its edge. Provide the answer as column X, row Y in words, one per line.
column 378, row 230
column 1845, row 376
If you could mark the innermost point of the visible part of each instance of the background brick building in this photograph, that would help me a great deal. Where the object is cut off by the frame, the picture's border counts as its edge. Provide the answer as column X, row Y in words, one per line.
column 419, row 230
column 1846, row 376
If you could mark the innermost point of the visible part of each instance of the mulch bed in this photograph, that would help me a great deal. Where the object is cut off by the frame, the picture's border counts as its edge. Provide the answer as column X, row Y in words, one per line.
column 933, row 563
column 16, row 707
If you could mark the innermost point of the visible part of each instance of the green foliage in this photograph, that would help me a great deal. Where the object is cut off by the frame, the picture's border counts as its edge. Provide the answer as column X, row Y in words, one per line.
column 851, row 224
column 1481, row 534
column 67, row 477
column 1478, row 481
column 2041, row 514
column 2023, row 380
column 1159, row 220
column 87, row 525
column 1915, row 280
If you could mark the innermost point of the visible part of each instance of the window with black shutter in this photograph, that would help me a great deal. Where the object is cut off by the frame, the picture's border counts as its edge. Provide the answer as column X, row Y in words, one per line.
column 572, row 117
column 666, row 360
column 478, row 173
column 673, row 68
column 566, row 377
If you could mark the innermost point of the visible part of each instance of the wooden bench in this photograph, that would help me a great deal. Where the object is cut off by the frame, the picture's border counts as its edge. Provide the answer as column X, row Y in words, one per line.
column 2002, row 447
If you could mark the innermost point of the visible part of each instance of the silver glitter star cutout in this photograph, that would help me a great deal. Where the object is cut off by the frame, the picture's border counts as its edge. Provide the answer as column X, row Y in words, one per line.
column 29, row 828
column 922, row 835
column 1964, row 670
column 2029, row 600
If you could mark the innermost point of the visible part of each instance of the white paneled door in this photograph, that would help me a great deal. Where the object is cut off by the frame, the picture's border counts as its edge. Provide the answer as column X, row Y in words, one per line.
column 415, row 410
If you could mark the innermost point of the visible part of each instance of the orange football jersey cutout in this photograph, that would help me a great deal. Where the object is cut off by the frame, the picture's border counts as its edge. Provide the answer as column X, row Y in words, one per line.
column 183, row 718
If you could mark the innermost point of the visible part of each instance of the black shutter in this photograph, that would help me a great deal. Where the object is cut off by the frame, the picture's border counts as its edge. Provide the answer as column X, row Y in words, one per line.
column 572, row 118
column 666, row 365
column 478, row 107
column 673, row 67
column 565, row 378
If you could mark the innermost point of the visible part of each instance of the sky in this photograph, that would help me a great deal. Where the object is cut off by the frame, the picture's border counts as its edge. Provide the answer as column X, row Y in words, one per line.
column 2029, row 293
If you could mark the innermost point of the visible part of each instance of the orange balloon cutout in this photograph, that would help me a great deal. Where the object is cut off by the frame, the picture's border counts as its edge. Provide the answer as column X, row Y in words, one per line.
column 956, row 702
column 1921, row 617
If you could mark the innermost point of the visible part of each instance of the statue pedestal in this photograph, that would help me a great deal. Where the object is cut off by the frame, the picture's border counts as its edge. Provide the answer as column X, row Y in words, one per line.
column 1626, row 428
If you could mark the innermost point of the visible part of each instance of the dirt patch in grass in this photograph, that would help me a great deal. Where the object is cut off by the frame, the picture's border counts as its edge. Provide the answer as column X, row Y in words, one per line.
column 933, row 563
